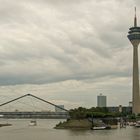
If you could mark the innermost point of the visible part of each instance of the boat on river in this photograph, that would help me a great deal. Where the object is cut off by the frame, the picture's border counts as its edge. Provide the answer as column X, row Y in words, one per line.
column 137, row 124
column 132, row 123
column 33, row 123
column 100, row 127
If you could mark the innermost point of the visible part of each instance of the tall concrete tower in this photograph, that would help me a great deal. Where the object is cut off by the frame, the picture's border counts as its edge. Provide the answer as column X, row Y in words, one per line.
column 134, row 37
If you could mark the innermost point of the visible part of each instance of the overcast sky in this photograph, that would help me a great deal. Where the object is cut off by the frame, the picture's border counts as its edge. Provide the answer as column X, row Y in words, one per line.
column 67, row 51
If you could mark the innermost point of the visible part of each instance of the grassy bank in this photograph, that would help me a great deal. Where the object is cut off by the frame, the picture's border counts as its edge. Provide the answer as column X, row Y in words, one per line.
column 74, row 124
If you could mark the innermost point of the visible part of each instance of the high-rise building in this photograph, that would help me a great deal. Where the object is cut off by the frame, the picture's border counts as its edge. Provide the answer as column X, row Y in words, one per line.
column 101, row 101
column 134, row 37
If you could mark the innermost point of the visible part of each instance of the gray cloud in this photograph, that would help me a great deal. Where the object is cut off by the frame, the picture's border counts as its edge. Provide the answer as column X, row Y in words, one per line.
column 52, row 41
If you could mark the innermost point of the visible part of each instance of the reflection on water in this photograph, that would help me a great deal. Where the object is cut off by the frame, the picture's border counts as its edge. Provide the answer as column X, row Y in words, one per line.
column 20, row 130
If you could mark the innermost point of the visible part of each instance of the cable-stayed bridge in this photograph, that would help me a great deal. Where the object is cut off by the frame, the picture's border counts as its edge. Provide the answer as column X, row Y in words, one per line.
column 33, row 113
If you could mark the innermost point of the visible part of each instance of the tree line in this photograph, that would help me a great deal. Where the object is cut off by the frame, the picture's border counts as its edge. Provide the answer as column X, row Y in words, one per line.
column 97, row 112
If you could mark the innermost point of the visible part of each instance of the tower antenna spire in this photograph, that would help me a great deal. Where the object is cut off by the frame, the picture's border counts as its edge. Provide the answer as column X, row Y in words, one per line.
column 135, row 19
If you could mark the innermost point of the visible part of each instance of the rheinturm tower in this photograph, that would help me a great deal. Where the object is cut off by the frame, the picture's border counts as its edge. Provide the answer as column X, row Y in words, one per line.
column 134, row 37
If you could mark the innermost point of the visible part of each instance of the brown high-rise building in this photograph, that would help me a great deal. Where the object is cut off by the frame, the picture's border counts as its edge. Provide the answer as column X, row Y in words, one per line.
column 134, row 37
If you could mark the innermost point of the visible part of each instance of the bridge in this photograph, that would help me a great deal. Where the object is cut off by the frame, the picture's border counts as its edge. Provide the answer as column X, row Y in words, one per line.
column 34, row 114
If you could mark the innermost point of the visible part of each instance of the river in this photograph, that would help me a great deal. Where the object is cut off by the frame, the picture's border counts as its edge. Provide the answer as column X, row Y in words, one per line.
column 44, row 131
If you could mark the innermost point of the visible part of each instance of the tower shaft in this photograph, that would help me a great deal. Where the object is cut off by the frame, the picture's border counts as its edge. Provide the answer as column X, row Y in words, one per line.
column 136, row 107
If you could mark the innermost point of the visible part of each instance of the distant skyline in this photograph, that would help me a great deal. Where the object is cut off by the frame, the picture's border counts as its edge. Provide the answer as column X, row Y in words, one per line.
column 67, row 51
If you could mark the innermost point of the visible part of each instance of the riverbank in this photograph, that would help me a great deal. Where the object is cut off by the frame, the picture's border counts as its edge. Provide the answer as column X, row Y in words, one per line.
column 79, row 124
column 74, row 124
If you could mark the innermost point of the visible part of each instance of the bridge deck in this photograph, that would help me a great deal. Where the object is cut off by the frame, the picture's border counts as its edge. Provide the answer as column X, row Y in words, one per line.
column 40, row 115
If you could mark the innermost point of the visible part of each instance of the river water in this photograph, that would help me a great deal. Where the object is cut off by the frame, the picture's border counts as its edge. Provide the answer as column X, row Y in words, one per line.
column 44, row 131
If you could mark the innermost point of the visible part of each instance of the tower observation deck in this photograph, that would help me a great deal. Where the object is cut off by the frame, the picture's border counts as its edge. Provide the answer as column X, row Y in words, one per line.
column 134, row 37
